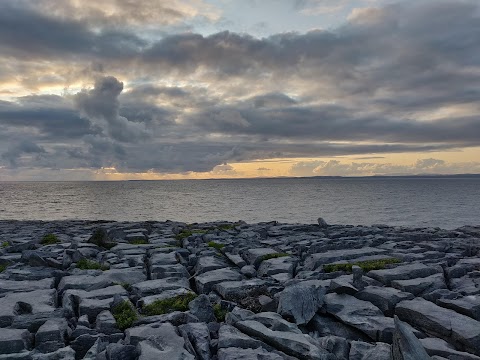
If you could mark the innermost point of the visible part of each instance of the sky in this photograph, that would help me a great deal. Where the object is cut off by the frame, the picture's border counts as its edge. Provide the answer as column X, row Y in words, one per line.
column 149, row 89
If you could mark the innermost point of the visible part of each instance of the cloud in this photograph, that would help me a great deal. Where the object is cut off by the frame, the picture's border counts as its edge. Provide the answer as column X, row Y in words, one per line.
column 421, row 166
column 24, row 147
column 128, row 12
column 395, row 78
column 101, row 104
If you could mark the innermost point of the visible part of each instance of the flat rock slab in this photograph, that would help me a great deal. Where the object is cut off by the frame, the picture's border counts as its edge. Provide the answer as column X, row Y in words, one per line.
column 8, row 286
column 468, row 305
column 158, row 341
column 231, row 337
column 385, row 298
column 14, row 341
column 362, row 315
column 364, row 351
column 155, row 287
column 439, row 347
column 460, row 330
column 32, row 302
column 245, row 354
column 256, row 256
column 404, row 272
column 236, row 290
column 281, row 265
column 316, row 260
column 294, row 344
column 421, row 286
column 206, row 281
column 164, row 258
column 209, row 263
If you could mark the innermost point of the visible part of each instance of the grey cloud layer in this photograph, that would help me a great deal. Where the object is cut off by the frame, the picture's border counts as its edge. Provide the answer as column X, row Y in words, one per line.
column 193, row 102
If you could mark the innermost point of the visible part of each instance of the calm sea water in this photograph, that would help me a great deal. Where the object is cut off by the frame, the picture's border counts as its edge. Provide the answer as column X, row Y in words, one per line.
column 442, row 202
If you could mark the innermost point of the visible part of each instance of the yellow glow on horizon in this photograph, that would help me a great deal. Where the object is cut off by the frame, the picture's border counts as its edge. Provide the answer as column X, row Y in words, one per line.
column 281, row 167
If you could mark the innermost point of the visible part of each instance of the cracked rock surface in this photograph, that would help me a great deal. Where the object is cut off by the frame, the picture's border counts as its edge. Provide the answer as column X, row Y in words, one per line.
column 220, row 290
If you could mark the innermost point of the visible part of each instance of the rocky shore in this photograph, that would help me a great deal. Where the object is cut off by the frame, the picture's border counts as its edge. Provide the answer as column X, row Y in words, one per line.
column 170, row 290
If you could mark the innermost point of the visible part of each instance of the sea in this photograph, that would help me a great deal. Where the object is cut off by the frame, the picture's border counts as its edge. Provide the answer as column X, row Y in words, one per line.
column 445, row 202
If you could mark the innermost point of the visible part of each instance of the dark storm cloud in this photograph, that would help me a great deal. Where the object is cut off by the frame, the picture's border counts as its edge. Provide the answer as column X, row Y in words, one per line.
column 101, row 104
column 51, row 115
column 26, row 33
column 335, row 123
column 24, row 147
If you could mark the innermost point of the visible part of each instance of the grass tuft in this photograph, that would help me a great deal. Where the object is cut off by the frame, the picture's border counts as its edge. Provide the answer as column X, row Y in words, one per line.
column 125, row 285
column 5, row 244
column 138, row 241
column 85, row 264
column 219, row 312
column 365, row 265
column 124, row 314
column 226, row 226
column 216, row 245
column 3, row 268
column 274, row 256
column 50, row 239
column 165, row 306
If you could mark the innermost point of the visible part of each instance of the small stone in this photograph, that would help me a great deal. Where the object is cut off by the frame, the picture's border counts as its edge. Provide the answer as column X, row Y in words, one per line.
column 202, row 308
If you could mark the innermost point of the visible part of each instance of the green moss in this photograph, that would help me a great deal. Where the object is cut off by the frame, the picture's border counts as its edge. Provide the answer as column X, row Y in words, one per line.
column 219, row 312
column 365, row 265
column 85, row 264
column 5, row 244
column 100, row 238
column 138, row 241
column 215, row 245
column 274, row 256
column 226, row 226
column 165, row 306
column 125, row 285
column 50, row 239
column 3, row 268
column 187, row 232
column 124, row 314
